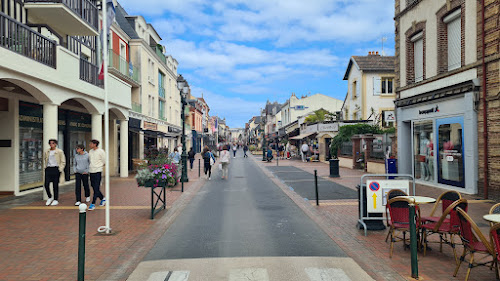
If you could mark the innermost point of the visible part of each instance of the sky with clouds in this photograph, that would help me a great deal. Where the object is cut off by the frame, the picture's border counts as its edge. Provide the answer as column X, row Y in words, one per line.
column 241, row 53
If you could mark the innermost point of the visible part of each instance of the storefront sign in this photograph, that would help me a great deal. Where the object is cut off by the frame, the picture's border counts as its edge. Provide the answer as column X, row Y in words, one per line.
column 150, row 126
column 331, row 127
column 310, row 129
column 428, row 111
column 30, row 115
column 134, row 123
column 174, row 130
column 389, row 116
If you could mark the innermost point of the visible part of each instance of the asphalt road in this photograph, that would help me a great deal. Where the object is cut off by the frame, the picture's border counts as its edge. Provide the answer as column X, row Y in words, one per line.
column 244, row 216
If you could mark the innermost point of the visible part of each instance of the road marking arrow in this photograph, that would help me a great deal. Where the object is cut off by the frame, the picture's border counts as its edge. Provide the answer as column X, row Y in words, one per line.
column 374, row 201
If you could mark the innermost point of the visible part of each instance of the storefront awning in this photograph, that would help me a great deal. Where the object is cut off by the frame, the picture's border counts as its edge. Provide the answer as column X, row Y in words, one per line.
column 302, row 136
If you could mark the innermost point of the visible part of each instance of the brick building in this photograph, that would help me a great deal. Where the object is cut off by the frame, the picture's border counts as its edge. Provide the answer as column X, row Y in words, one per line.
column 440, row 92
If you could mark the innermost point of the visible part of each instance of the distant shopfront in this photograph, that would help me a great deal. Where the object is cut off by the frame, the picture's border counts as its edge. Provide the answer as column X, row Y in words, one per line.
column 441, row 137
column 74, row 128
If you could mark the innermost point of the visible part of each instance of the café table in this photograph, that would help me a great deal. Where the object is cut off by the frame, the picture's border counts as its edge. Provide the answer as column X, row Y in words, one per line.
column 495, row 218
column 420, row 199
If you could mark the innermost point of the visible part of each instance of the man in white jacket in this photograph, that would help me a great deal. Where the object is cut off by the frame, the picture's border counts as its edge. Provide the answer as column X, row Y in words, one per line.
column 97, row 158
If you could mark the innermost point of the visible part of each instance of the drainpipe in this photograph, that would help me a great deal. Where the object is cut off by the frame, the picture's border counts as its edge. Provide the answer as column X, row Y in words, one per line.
column 485, row 110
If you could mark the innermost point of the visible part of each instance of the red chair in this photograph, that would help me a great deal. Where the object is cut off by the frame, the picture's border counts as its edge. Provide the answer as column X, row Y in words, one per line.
column 495, row 236
column 445, row 199
column 474, row 242
column 391, row 194
column 400, row 220
column 445, row 227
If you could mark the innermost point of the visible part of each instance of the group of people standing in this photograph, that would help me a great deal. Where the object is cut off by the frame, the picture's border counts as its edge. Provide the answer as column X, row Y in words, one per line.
column 85, row 165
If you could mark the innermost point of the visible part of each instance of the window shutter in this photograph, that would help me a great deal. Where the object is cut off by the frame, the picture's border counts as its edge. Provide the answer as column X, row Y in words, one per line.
column 454, row 44
column 418, row 48
column 377, row 84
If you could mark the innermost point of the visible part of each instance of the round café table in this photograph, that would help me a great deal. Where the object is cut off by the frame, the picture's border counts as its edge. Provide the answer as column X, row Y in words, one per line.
column 420, row 199
column 495, row 218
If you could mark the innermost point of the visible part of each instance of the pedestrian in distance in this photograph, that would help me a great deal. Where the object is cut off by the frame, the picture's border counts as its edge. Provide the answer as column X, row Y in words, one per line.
column 269, row 155
column 81, row 165
column 97, row 158
column 304, row 149
column 245, row 149
column 208, row 162
column 55, row 162
column 191, row 155
column 175, row 156
column 224, row 160
column 235, row 148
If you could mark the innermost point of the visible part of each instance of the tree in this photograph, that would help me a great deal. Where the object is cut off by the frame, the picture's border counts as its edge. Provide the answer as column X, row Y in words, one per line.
column 320, row 115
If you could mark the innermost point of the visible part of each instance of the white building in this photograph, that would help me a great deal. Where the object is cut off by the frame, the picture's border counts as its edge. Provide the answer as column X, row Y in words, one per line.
column 49, row 88
column 371, row 91
column 295, row 107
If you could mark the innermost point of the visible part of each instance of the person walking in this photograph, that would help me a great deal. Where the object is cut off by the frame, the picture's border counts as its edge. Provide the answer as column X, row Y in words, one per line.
column 191, row 155
column 97, row 158
column 224, row 160
column 235, row 148
column 81, row 165
column 245, row 149
column 175, row 156
column 55, row 162
column 208, row 161
column 269, row 154
column 304, row 149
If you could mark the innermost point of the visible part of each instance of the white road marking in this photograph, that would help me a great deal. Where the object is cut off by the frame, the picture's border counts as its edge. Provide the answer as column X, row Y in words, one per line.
column 248, row 274
column 326, row 274
column 174, row 276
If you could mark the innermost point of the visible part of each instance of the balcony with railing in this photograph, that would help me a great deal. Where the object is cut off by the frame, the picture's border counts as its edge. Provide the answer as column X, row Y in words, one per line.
column 21, row 39
column 121, row 67
column 137, row 107
column 159, row 53
column 89, row 72
column 72, row 17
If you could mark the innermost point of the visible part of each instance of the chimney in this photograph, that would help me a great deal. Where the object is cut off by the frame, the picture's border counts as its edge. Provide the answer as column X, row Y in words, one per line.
column 377, row 53
column 369, row 53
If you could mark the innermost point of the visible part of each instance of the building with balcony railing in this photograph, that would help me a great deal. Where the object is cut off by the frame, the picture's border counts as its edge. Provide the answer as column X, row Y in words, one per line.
column 50, row 87
column 158, row 121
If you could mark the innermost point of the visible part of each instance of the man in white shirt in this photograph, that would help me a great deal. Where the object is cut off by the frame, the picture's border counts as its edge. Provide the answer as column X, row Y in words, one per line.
column 97, row 158
column 303, row 150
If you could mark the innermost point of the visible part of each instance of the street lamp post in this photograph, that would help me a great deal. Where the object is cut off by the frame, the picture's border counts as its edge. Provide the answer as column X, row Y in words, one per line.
column 183, row 87
column 264, row 158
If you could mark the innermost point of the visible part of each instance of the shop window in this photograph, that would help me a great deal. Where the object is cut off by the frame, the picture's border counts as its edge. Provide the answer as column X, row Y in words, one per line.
column 451, row 157
column 423, row 150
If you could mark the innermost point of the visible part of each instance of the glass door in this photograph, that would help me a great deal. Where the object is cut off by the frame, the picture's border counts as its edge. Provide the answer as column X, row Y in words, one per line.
column 451, row 151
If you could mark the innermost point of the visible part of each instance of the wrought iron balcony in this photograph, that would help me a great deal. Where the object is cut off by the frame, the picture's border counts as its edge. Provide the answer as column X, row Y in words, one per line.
column 21, row 39
column 72, row 17
column 89, row 72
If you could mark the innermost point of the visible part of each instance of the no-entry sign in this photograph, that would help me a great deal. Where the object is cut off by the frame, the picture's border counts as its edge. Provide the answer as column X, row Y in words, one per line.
column 376, row 191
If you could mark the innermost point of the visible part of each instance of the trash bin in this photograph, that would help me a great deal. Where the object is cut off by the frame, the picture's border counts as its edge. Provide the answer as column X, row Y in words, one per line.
column 334, row 168
column 391, row 167
column 375, row 224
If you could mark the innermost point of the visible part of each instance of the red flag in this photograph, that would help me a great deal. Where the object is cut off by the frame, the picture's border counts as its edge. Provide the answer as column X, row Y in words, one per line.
column 101, row 72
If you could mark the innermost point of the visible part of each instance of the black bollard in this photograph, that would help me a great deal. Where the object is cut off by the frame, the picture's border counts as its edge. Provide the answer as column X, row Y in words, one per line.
column 199, row 167
column 81, row 242
column 316, row 184
column 277, row 158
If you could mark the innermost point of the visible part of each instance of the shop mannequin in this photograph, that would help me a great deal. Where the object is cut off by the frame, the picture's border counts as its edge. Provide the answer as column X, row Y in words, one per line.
column 425, row 173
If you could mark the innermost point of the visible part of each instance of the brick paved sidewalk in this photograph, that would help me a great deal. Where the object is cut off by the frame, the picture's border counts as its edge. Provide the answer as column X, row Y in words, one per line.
column 338, row 219
column 41, row 243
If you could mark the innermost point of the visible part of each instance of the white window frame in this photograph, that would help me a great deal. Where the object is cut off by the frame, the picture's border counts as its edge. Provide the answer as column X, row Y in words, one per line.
column 385, row 80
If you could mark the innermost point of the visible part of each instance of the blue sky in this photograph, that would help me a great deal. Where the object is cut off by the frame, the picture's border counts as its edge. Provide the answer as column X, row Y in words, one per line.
column 241, row 53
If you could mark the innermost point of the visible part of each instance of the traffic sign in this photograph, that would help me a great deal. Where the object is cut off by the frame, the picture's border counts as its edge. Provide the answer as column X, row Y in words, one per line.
column 376, row 192
column 374, row 186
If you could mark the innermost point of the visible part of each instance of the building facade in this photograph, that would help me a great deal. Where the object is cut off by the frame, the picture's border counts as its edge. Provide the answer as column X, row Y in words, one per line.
column 371, row 91
column 440, row 102
column 49, row 89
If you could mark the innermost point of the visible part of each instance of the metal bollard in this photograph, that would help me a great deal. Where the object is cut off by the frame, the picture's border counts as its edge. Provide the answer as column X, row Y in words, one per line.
column 316, row 184
column 277, row 158
column 413, row 241
column 81, row 242
column 199, row 167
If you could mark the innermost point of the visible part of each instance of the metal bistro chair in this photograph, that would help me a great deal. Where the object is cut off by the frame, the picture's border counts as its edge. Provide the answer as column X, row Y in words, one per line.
column 399, row 210
column 495, row 237
column 391, row 194
column 446, row 199
column 445, row 227
column 495, row 209
column 474, row 242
